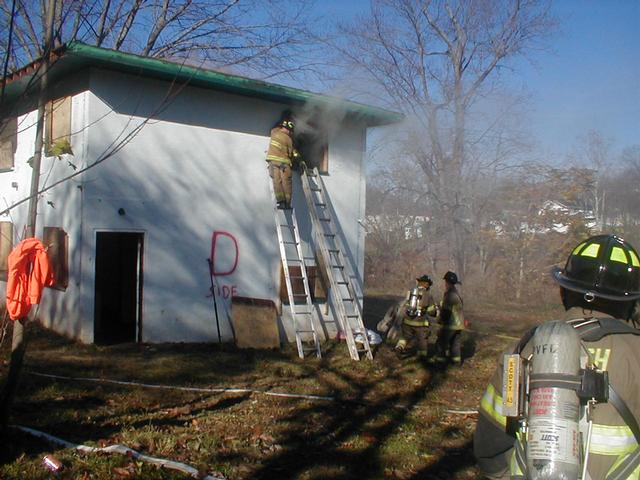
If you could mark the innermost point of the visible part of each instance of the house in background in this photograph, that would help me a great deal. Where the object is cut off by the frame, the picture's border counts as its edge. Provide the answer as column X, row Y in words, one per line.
column 168, row 171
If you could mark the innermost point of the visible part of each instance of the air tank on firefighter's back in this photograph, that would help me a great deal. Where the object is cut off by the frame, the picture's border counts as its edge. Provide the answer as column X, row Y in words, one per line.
column 553, row 438
column 414, row 299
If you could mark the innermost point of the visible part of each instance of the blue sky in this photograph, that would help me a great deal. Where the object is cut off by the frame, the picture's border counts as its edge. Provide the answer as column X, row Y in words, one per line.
column 589, row 80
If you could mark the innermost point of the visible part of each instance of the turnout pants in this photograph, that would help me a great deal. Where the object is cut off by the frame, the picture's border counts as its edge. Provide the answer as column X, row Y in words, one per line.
column 419, row 334
column 282, row 184
column 450, row 344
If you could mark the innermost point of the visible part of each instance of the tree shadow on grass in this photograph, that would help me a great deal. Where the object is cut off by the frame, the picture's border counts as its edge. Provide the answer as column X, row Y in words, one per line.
column 451, row 461
column 348, row 443
column 342, row 439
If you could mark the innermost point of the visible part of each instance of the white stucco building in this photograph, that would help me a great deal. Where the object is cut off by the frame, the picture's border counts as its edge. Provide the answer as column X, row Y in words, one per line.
column 169, row 172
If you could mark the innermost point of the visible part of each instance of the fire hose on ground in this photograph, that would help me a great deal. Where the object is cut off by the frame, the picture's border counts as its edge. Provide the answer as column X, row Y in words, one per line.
column 121, row 449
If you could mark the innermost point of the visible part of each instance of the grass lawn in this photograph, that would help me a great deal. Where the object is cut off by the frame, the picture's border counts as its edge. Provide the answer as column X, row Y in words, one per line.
column 386, row 418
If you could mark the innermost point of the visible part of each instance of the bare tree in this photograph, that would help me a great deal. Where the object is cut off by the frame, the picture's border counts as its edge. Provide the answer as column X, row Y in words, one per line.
column 261, row 37
column 530, row 226
column 631, row 158
column 436, row 60
column 622, row 186
column 594, row 151
column 399, row 229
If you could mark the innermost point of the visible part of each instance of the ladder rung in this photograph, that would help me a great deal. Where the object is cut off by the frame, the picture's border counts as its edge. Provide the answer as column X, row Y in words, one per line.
column 321, row 204
column 324, row 219
column 289, row 242
column 294, row 260
column 333, row 250
column 316, row 189
column 342, row 283
column 305, row 331
column 353, row 316
column 337, row 266
column 347, row 299
column 303, row 313
column 287, row 225
column 329, row 234
column 299, row 295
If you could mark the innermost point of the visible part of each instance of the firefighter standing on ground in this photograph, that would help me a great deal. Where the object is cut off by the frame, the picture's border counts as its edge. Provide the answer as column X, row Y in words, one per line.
column 280, row 157
column 451, row 319
column 419, row 307
column 600, row 281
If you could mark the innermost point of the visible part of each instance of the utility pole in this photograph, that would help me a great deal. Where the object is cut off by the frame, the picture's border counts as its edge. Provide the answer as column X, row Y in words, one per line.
column 19, row 340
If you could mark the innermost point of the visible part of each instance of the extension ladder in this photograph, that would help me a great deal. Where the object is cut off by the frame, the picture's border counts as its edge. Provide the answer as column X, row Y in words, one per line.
column 300, row 303
column 343, row 294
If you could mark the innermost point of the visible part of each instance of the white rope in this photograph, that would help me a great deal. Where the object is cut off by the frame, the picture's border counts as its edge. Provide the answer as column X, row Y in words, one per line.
column 188, row 389
column 161, row 462
column 223, row 390
column 491, row 334
column 461, row 412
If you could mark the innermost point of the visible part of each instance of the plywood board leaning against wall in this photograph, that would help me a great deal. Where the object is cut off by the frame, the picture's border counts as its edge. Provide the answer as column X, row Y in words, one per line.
column 255, row 323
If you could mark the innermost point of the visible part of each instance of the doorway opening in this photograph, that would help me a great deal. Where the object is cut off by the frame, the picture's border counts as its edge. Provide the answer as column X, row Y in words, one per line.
column 118, row 287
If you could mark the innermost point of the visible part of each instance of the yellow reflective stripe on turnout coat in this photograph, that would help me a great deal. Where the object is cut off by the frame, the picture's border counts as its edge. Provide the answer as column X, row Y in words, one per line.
column 280, row 147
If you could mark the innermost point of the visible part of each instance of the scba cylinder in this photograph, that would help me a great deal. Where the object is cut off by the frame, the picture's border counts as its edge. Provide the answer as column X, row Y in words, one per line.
column 553, row 442
column 414, row 299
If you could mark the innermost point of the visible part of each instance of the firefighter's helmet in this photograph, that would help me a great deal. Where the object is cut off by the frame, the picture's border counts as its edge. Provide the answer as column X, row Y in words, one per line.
column 288, row 124
column 604, row 266
column 451, row 278
column 425, row 279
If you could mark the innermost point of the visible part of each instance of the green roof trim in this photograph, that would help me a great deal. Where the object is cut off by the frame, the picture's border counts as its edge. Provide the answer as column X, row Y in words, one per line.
column 75, row 56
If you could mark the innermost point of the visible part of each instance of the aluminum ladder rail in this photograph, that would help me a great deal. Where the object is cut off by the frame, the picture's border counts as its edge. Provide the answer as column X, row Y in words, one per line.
column 343, row 294
column 291, row 253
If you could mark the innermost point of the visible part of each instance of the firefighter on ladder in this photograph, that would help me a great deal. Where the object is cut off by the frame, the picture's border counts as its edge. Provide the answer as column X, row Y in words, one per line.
column 599, row 288
column 280, row 157
column 419, row 308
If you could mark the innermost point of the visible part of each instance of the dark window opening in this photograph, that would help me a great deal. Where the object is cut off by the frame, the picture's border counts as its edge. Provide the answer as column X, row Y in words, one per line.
column 313, row 146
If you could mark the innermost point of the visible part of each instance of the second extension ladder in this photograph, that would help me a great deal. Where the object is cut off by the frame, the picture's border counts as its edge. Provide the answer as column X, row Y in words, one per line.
column 300, row 303
column 343, row 293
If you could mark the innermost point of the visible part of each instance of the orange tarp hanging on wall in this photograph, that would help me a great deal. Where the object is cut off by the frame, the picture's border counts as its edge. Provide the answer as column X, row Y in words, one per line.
column 29, row 271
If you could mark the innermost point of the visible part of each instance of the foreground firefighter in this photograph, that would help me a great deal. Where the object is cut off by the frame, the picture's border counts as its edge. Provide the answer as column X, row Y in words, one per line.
column 451, row 319
column 419, row 308
column 564, row 404
column 280, row 157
